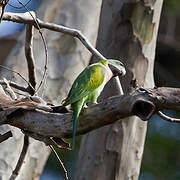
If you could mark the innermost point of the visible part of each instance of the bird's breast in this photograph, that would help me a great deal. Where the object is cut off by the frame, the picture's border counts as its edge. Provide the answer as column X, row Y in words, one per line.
column 108, row 74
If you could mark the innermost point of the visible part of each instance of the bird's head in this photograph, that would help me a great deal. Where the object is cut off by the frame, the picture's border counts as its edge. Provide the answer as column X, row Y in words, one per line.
column 116, row 67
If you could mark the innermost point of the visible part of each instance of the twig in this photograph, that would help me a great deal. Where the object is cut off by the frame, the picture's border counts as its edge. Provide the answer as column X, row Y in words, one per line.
column 167, row 118
column 118, row 84
column 21, row 159
column 9, row 90
column 61, row 163
column 5, row 136
column 59, row 142
column 17, row 92
column 45, row 47
column 30, row 57
column 3, row 4
column 16, row 7
column 17, row 74
column 16, row 86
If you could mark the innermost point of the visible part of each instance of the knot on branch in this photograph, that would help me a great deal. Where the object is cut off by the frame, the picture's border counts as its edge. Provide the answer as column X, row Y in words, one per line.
column 143, row 109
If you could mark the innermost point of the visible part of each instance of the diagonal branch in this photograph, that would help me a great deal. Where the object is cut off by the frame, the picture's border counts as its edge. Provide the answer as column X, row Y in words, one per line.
column 16, row 86
column 5, row 136
column 21, row 158
column 60, row 162
column 142, row 103
column 26, row 18
column 8, row 69
column 9, row 90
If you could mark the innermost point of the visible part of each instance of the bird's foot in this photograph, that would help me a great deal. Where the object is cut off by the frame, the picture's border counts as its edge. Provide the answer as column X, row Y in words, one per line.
column 59, row 109
column 91, row 103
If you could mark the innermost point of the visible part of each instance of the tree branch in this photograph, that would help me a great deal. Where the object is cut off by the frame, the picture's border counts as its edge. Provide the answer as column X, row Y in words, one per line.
column 60, row 162
column 16, row 86
column 21, row 158
column 167, row 118
column 8, row 69
column 5, row 136
column 142, row 103
column 26, row 18
column 3, row 4
column 30, row 57
column 9, row 90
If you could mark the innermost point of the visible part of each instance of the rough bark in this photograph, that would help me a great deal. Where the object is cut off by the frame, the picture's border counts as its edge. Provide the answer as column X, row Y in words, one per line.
column 66, row 55
column 142, row 103
column 128, row 31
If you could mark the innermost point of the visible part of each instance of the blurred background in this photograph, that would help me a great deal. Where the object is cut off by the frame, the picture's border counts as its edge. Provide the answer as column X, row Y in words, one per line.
column 162, row 148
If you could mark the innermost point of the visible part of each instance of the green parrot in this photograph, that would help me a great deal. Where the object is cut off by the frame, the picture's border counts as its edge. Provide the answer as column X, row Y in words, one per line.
column 89, row 84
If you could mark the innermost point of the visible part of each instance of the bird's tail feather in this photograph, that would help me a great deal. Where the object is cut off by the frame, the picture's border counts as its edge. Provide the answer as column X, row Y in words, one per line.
column 76, row 111
column 75, row 121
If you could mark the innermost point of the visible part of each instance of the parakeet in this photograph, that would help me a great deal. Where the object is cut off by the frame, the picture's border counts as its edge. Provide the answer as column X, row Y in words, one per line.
column 89, row 84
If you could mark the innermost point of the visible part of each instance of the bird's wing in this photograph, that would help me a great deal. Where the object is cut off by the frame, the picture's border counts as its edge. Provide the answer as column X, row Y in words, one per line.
column 87, row 81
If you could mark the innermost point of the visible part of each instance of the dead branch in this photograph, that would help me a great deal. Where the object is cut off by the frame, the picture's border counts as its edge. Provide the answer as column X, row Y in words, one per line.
column 167, row 118
column 16, row 86
column 5, row 136
column 60, row 162
column 8, row 69
column 9, row 90
column 3, row 4
column 30, row 56
column 58, row 142
column 19, row 7
column 26, row 18
column 21, row 158
column 142, row 103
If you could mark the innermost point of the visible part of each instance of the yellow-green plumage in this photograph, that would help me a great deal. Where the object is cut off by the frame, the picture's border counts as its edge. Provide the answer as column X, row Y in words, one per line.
column 87, row 81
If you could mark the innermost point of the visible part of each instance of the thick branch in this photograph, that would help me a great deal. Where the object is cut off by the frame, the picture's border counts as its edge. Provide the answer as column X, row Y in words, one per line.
column 143, row 103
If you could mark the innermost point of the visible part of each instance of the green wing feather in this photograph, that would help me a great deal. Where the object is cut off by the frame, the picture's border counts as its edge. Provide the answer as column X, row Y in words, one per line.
column 87, row 81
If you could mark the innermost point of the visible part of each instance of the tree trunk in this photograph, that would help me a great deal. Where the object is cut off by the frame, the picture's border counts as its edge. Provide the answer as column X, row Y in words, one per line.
column 67, row 57
column 127, row 31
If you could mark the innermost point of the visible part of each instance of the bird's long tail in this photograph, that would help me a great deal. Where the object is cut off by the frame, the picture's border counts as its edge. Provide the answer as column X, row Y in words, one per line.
column 76, row 107
column 75, row 119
